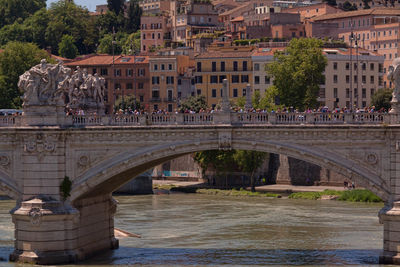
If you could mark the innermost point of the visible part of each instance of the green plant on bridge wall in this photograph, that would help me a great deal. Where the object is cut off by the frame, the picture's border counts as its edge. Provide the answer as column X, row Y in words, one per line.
column 65, row 188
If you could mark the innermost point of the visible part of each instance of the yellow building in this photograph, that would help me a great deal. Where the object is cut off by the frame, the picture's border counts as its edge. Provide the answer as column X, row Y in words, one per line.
column 215, row 65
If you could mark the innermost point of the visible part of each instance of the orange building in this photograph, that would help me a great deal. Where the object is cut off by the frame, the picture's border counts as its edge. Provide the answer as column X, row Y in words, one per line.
column 125, row 75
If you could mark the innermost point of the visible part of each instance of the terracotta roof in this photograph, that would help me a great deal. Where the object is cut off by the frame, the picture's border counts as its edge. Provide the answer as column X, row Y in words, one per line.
column 363, row 12
column 225, row 54
column 131, row 59
column 65, row 60
column 240, row 18
column 94, row 60
column 229, row 12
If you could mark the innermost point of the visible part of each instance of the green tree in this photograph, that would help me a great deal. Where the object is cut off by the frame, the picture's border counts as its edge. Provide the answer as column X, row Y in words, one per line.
column 67, row 48
column 255, row 99
column 106, row 43
column 133, row 19
column 11, row 10
column 110, row 21
column 330, row 2
column 65, row 17
column 132, row 44
column 267, row 102
column 249, row 161
column 15, row 32
column 298, row 72
column 194, row 103
column 130, row 102
column 37, row 25
column 366, row 4
column 381, row 99
column 14, row 61
column 347, row 6
column 116, row 6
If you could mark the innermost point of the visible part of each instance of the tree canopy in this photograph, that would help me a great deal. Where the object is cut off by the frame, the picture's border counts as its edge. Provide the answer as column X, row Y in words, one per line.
column 11, row 10
column 14, row 61
column 67, row 47
column 194, row 103
column 298, row 72
column 116, row 6
column 381, row 99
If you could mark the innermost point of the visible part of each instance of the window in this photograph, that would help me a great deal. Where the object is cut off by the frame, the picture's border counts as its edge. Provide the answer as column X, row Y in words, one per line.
column 94, row 71
column 257, row 79
column 335, row 79
column 267, row 79
column 335, row 65
column 245, row 78
column 347, row 78
column 364, row 66
column 141, row 72
column 129, row 72
column 155, row 94
column 152, row 36
column 235, row 92
column 214, row 66
column 155, row 67
column 104, row 72
column 117, row 86
column 244, row 65
column 221, row 78
column 170, row 79
column 347, row 93
column 140, row 85
column 141, row 98
column 213, row 79
column 155, row 80
column 355, row 92
column 144, row 37
column 117, row 72
column 372, row 91
column 244, row 92
column 347, row 65
column 235, row 78
column 371, row 66
column 372, row 79
column 335, row 95
column 364, row 93
column 162, row 67
column 235, row 66
column 355, row 66
column 198, row 66
column 199, row 79
column 198, row 91
column 256, row 67
column 222, row 65
column 129, row 86
column 355, row 78
column 214, row 93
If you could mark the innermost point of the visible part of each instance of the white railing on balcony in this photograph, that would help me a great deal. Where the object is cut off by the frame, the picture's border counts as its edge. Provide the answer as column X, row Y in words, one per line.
column 201, row 118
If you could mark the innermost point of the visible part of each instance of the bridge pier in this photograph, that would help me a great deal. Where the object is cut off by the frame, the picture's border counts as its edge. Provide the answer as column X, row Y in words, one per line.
column 48, row 231
column 390, row 217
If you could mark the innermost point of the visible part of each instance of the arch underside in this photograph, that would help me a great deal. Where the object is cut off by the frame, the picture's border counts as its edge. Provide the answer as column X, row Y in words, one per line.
column 119, row 170
column 8, row 186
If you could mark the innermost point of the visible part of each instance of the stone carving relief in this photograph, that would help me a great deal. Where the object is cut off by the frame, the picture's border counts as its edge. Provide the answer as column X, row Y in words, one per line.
column 35, row 214
column 394, row 76
column 371, row 158
column 5, row 163
column 41, row 145
column 225, row 140
column 48, row 84
column 89, row 159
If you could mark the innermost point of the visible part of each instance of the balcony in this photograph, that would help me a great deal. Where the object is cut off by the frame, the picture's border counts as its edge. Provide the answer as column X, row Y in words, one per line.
column 155, row 99
column 170, row 99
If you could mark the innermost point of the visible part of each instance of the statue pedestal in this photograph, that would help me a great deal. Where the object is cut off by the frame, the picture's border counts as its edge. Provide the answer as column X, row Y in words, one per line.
column 44, row 115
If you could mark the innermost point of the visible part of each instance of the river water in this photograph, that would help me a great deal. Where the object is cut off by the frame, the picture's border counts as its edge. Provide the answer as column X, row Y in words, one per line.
column 194, row 229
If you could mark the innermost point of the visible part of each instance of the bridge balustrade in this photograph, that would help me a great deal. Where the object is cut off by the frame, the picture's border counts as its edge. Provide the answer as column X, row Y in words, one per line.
column 199, row 118
column 125, row 120
column 250, row 118
column 161, row 119
column 10, row 121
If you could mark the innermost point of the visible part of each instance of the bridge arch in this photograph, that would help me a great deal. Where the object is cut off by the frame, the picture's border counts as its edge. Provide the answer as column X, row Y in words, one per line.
column 121, row 168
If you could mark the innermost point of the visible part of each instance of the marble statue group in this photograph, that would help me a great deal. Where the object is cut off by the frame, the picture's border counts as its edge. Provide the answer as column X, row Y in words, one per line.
column 53, row 84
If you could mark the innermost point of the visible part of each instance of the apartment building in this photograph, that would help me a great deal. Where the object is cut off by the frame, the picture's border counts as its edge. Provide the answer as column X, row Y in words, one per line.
column 155, row 31
column 215, row 65
column 125, row 76
column 374, row 29
column 308, row 12
column 166, row 74
column 350, row 76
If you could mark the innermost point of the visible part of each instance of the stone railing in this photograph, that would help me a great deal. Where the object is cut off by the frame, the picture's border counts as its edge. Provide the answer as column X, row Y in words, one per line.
column 216, row 118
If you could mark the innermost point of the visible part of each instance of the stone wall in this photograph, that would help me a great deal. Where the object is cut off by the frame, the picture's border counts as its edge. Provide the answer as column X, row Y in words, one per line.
column 276, row 169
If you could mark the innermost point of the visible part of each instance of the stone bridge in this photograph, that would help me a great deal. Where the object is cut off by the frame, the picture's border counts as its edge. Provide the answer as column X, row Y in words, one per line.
column 101, row 153
column 62, row 170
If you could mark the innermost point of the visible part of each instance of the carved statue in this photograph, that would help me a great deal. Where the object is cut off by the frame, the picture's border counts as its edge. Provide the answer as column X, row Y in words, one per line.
column 394, row 76
column 48, row 84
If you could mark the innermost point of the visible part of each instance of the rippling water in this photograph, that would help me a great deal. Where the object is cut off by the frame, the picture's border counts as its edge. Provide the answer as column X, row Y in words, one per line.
column 193, row 229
